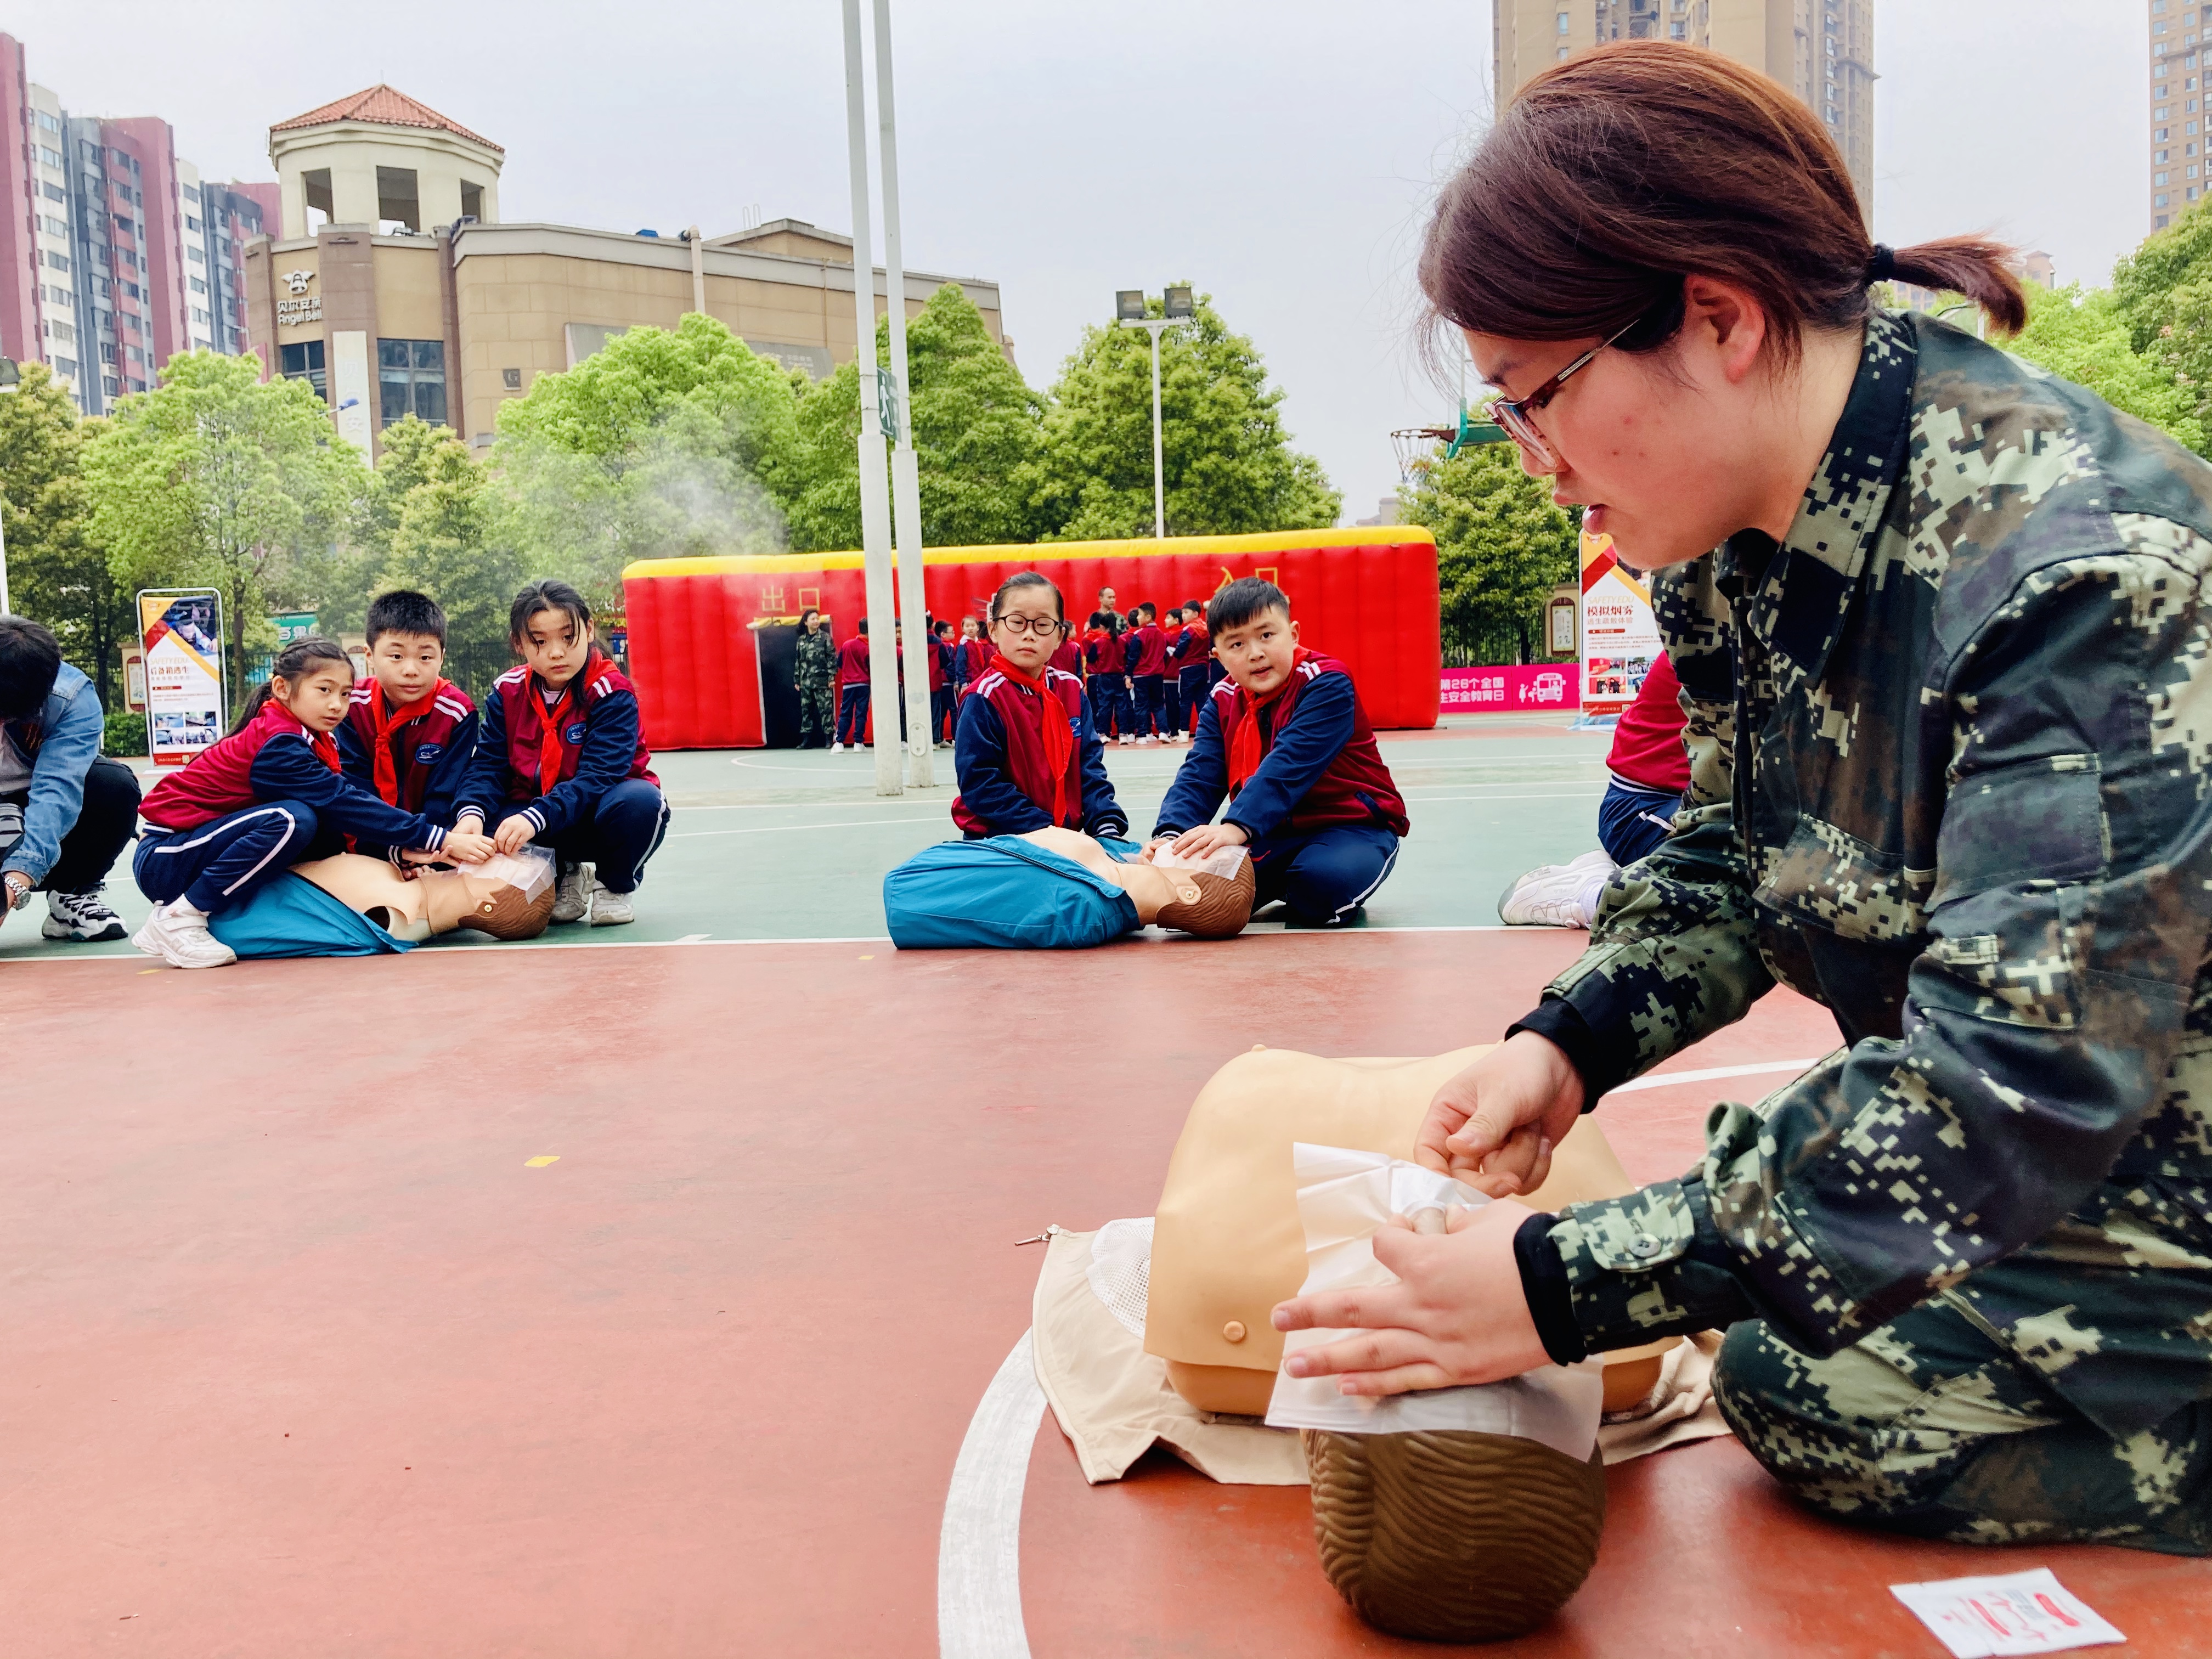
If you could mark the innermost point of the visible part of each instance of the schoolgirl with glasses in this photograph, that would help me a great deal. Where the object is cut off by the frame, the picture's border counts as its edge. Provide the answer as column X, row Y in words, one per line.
column 1026, row 753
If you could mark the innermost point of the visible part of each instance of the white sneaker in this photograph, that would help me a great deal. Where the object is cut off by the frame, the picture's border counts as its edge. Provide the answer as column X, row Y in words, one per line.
column 1148, row 741
column 609, row 908
column 1558, row 894
column 178, row 934
column 837, row 748
column 573, row 897
column 1127, row 738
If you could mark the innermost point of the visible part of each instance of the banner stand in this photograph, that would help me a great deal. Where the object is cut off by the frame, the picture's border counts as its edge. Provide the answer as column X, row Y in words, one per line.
column 182, row 628
column 1620, row 636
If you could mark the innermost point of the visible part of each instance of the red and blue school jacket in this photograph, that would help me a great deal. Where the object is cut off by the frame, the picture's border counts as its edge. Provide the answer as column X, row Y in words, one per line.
column 853, row 662
column 1102, row 653
column 999, row 758
column 273, row 758
column 600, row 739
column 429, row 751
column 1319, row 764
column 1145, row 651
column 1193, row 650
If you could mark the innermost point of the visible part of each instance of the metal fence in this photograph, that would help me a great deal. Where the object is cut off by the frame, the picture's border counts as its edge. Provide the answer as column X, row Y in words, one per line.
column 1466, row 646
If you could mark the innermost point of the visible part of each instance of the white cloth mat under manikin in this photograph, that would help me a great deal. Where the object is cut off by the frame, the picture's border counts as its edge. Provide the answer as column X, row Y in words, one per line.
column 1112, row 1401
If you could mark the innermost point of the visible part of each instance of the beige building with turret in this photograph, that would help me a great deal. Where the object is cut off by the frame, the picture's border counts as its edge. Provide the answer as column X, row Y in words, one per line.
column 395, row 288
column 1821, row 50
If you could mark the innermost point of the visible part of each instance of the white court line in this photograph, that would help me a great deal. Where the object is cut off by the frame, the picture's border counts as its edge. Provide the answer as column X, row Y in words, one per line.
column 1439, row 801
column 1662, row 1079
column 779, row 829
column 979, row 1547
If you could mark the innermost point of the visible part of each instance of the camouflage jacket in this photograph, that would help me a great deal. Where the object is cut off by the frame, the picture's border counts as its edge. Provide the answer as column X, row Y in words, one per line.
column 1949, row 746
column 816, row 664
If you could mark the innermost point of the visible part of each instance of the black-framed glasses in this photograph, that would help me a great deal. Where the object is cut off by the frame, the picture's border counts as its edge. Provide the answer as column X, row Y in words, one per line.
column 1038, row 625
column 1512, row 414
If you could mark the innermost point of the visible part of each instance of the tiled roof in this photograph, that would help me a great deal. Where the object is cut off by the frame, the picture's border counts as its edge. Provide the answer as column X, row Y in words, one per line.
column 386, row 106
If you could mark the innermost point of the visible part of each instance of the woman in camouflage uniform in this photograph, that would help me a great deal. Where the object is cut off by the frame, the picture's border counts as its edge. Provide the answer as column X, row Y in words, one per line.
column 815, row 674
column 1945, row 641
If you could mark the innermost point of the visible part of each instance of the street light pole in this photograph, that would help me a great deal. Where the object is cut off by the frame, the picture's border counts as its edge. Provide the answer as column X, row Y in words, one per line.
column 875, row 493
column 10, row 377
column 1176, row 306
column 906, row 487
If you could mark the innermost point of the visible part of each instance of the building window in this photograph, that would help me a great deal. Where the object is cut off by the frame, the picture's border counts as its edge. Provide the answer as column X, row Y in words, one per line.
column 52, row 158
column 2160, row 225
column 201, row 317
column 54, row 192
column 2158, row 178
column 197, row 286
column 2162, row 156
column 1678, row 31
column 58, row 261
column 2158, row 201
column 398, row 200
column 1563, row 23
column 304, row 362
column 411, row 379
column 66, row 367
column 191, row 223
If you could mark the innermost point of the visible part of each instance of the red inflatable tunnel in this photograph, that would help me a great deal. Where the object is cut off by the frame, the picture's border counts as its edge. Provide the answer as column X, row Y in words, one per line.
column 701, row 630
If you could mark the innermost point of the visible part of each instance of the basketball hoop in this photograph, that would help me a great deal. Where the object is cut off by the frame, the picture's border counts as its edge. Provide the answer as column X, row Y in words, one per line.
column 1416, row 448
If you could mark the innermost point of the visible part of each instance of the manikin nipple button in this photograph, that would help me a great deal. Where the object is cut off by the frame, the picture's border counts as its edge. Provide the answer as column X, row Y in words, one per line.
column 1233, row 1331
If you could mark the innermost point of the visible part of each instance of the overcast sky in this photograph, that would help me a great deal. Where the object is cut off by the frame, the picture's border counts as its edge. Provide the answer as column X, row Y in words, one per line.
column 1277, row 153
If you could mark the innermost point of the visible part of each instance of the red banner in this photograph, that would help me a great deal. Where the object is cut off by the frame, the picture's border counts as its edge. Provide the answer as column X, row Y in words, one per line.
column 1514, row 688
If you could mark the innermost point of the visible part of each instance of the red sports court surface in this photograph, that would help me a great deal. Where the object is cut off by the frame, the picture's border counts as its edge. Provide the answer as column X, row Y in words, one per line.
column 305, row 1357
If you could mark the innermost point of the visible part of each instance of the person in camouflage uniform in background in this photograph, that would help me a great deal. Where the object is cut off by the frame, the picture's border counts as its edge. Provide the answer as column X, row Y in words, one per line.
column 1951, row 746
column 815, row 674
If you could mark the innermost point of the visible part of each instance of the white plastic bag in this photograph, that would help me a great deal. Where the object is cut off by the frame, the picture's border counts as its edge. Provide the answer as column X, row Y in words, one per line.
column 529, row 867
column 1225, row 863
column 1344, row 1197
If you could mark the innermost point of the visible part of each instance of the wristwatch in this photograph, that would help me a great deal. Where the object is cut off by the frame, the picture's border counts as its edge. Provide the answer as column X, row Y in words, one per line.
column 19, row 889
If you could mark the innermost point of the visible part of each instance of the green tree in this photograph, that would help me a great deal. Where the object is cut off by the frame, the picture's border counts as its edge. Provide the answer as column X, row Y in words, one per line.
column 1227, row 463
column 977, row 431
column 443, row 540
column 2164, row 291
column 2083, row 335
column 1502, row 547
column 216, row 479
column 57, row 574
column 664, row 443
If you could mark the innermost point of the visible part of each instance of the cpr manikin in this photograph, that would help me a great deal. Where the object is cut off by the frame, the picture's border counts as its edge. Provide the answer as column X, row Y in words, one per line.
column 1192, row 900
column 1458, row 1535
column 505, row 900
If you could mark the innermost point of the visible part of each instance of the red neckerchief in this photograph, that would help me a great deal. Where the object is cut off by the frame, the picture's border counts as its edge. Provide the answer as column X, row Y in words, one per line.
column 1244, row 752
column 595, row 669
column 387, row 769
column 1052, row 718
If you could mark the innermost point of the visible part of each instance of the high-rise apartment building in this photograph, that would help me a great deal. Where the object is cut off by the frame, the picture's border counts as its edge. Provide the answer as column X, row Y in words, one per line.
column 1821, row 50
column 117, row 262
column 2177, row 113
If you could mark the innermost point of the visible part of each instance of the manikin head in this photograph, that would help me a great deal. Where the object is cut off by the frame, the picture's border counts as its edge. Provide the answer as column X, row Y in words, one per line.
column 30, row 659
column 1254, row 638
column 311, row 678
column 406, row 646
column 1027, row 620
column 1708, row 337
column 551, row 627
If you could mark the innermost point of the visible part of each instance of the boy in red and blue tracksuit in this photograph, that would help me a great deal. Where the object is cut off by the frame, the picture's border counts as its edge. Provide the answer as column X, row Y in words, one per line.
column 1146, row 654
column 1173, row 631
column 409, row 732
column 1105, row 686
column 576, row 766
column 853, row 689
column 1284, row 740
column 271, row 795
column 1195, row 666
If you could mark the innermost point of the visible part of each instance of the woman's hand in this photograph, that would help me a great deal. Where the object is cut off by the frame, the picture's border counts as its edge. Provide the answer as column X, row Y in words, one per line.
column 1456, row 1316
column 1207, row 839
column 1494, row 1124
column 514, row 834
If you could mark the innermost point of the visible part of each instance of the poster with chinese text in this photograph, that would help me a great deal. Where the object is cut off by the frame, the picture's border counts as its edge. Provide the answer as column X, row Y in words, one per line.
column 1620, row 639
column 184, row 674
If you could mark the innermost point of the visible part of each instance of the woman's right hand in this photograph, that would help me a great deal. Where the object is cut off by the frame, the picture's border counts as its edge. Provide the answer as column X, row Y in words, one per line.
column 1494, row 1124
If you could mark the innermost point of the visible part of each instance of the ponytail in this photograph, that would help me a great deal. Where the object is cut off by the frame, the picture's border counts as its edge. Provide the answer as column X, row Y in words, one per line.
column 1980, row 269
column 294, row 661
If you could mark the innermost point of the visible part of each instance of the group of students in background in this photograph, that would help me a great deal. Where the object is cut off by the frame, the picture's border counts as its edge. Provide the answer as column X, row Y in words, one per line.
column 403, row 765
column 1146, row 676
column 1281, row 742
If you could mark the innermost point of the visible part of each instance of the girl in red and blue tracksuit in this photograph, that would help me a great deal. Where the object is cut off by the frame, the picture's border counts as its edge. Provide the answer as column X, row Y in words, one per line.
column 1026, row 754
column 269, row 796
column 561, row 759
column 1195, row 667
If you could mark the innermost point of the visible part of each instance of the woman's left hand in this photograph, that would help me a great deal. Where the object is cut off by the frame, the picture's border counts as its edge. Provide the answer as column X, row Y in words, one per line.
column 1456, row 1316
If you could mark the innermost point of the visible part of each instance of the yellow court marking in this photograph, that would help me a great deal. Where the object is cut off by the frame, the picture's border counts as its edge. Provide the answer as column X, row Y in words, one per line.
column 869, row 957
column 541, row 1160
column 149, row 970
